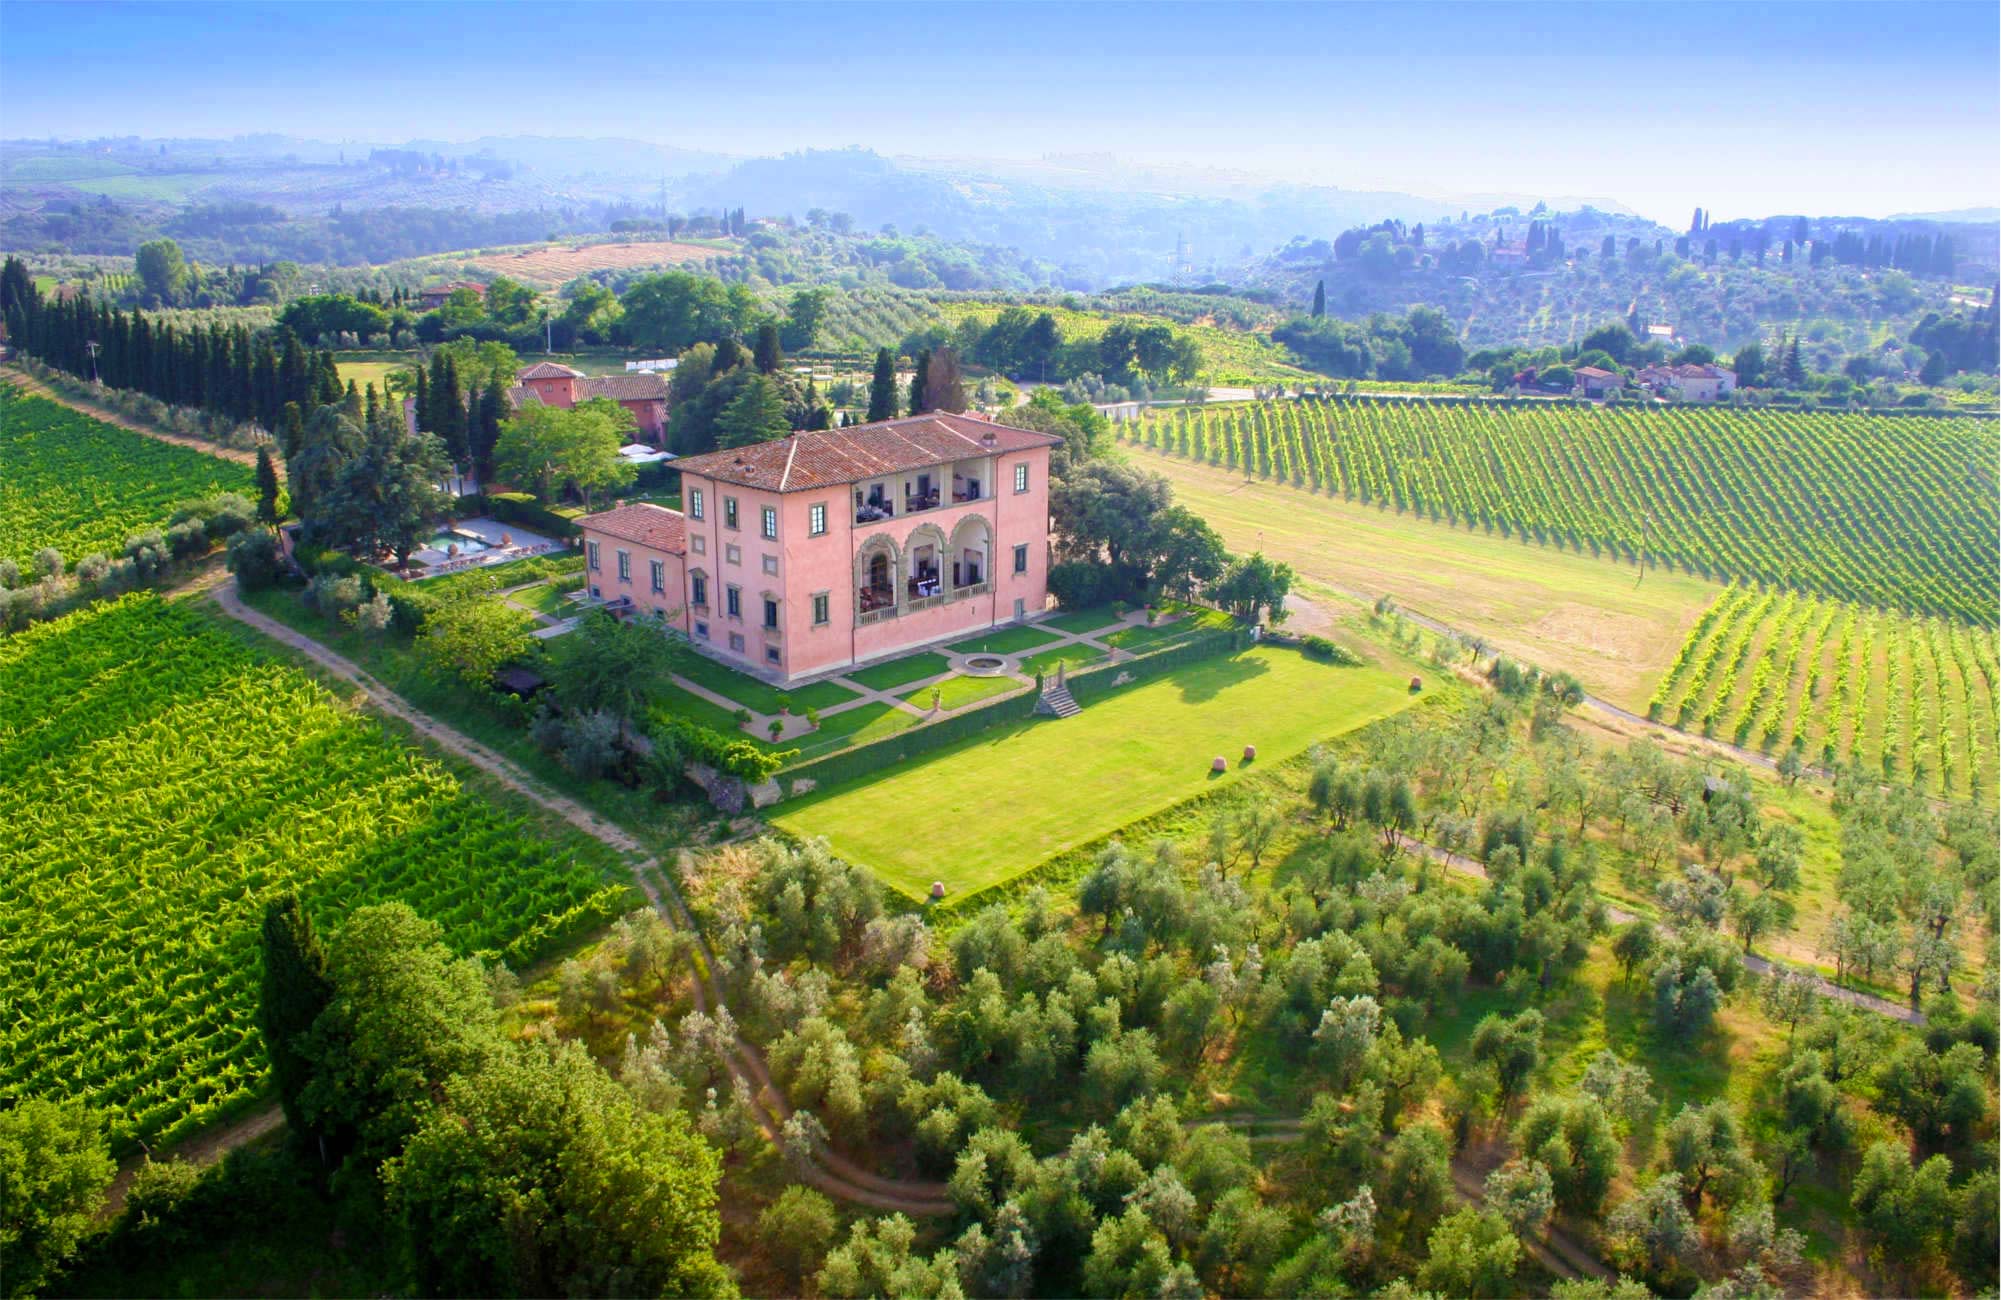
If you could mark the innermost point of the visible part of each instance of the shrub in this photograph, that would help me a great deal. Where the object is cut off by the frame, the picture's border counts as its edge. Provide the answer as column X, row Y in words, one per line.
column 1319, row 647
column 253, row 558
column 10, row 574
column 148, row 553
column 92, row 569
column 1079, row 584
column 187, row 539
column 48, row 562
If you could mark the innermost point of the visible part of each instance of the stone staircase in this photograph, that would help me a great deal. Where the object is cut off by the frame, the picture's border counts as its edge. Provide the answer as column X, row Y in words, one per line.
column 1056, row 702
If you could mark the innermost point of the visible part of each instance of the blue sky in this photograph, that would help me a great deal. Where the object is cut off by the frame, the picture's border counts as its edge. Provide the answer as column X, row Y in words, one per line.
column 1747, row 109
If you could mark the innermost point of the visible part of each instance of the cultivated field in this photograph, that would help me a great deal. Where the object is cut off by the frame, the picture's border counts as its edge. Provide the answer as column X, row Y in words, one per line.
column 1556, row 609
column 1911, row 697
column 553, row 265
column 81, row 485
column 991, row 807
column 1890, row 510
column 159, row 781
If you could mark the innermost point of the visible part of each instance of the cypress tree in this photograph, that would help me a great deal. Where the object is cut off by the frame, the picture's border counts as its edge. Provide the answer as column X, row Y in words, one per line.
column 267, row 474
column 882, row 389
column 485, row 437
column 1320, row 298
column 423, row 395
column 766, row 352
column 295, row 989
column 917, row 406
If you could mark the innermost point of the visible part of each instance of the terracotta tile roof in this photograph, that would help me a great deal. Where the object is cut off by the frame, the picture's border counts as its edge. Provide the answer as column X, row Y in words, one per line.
column 1593, row 372
column 623, row 388
column 642, row 523
column 825, row 457
column 549, row 370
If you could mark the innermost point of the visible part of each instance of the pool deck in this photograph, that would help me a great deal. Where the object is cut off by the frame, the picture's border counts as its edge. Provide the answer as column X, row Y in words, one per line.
column 504, row 542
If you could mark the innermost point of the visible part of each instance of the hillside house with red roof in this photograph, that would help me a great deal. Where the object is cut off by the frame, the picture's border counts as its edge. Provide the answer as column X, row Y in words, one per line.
column 643, row 393
column 831, row 548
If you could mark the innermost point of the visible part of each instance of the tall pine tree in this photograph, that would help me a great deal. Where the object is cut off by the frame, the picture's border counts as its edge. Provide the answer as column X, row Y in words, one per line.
column 882, row 388
column 267, row 476
column 295, row 990
column 1320, row 298
column 917, row 381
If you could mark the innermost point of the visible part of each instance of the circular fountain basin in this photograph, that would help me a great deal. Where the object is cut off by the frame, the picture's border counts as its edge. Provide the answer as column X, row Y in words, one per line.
column 983, row 665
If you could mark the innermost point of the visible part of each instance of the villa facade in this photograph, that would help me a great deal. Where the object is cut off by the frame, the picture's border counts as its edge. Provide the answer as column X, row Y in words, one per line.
column 831, row 548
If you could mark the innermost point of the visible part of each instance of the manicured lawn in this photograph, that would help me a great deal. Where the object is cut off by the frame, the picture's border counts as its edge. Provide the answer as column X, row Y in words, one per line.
column 1071, row 653
column 1140, row 637
column 856, row 726
column 1556, row 609
column 955, row 692
column 550, row 598
column 1004, row 641
column 893, row 673
column 981, row 811
column 1083, row 620
column 760, row 697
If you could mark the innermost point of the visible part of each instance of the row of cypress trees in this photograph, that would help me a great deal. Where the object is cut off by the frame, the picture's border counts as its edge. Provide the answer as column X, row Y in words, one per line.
column 228, row 371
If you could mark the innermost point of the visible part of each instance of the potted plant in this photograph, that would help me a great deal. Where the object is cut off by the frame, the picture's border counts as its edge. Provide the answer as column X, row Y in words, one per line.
column 813, row 718
column 777, row 728
column 785, row 704
column 937, row 694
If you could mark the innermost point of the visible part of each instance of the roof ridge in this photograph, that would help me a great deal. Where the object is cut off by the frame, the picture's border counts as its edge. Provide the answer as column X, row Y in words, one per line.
column 791, row 454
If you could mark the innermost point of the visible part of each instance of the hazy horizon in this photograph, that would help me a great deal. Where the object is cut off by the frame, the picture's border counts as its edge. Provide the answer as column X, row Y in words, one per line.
column 1857, row 110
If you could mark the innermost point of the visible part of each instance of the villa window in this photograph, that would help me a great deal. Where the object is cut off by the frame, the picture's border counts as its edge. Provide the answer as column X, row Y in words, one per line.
column 694, row 503
column 770, row 523
column 1021, row 559
column 1021, row 477
column 820, row 609
column 702, row 631
column 625, row 566
column 659, row 577
column 771, row 565
column 729, row 512
column 698, row 590
column 771, row 654
column 770, row 612
column 733, row 602
column 732, row 553
column 736, row 642
column 592, row 547
column 816, row 519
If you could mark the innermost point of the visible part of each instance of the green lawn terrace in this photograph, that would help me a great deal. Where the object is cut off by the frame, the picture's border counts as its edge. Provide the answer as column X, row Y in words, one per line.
column 866, row 704
column 975, row 814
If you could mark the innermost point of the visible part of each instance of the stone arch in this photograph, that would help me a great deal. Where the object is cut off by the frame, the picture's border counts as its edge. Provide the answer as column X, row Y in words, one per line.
column 878, row 560
column 973, row 534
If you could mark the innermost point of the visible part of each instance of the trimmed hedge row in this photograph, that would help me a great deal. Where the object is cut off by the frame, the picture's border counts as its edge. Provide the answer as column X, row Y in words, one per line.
column 1094, row 683
column 521, row 508
column 863, row 759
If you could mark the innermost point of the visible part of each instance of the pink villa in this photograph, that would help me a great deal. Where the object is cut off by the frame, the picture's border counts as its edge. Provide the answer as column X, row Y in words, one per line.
column 827, row 549
column 643, row 393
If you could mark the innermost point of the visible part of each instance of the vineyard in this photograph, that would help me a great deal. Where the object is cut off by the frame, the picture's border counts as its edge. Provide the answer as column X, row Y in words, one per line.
column 1890, row 510
column 81, row 485
column 1911, row 697
column 159, row 781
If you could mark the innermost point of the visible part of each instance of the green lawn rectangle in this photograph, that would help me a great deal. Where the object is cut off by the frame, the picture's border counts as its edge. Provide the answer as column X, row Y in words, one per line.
column 1082, row 620
column 956, row 692
column 856, row 726
column 1002, row 801
column 1071, row 653
column 551, row 598
column 1003, row 641
column 759, row 697
column 889, row 675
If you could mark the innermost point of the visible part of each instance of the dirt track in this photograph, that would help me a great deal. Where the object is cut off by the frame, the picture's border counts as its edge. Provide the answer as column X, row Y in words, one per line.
column 29, row 384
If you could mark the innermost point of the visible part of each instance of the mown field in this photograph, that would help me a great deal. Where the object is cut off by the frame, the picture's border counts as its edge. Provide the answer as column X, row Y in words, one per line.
column 1888, row 510
column 1911, row 697
column 1559, row 610
column 159, row 781
column 81, row 485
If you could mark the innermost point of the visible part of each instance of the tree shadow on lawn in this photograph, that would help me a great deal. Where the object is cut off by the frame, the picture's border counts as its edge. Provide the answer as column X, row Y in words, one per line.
column 1217, row 676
